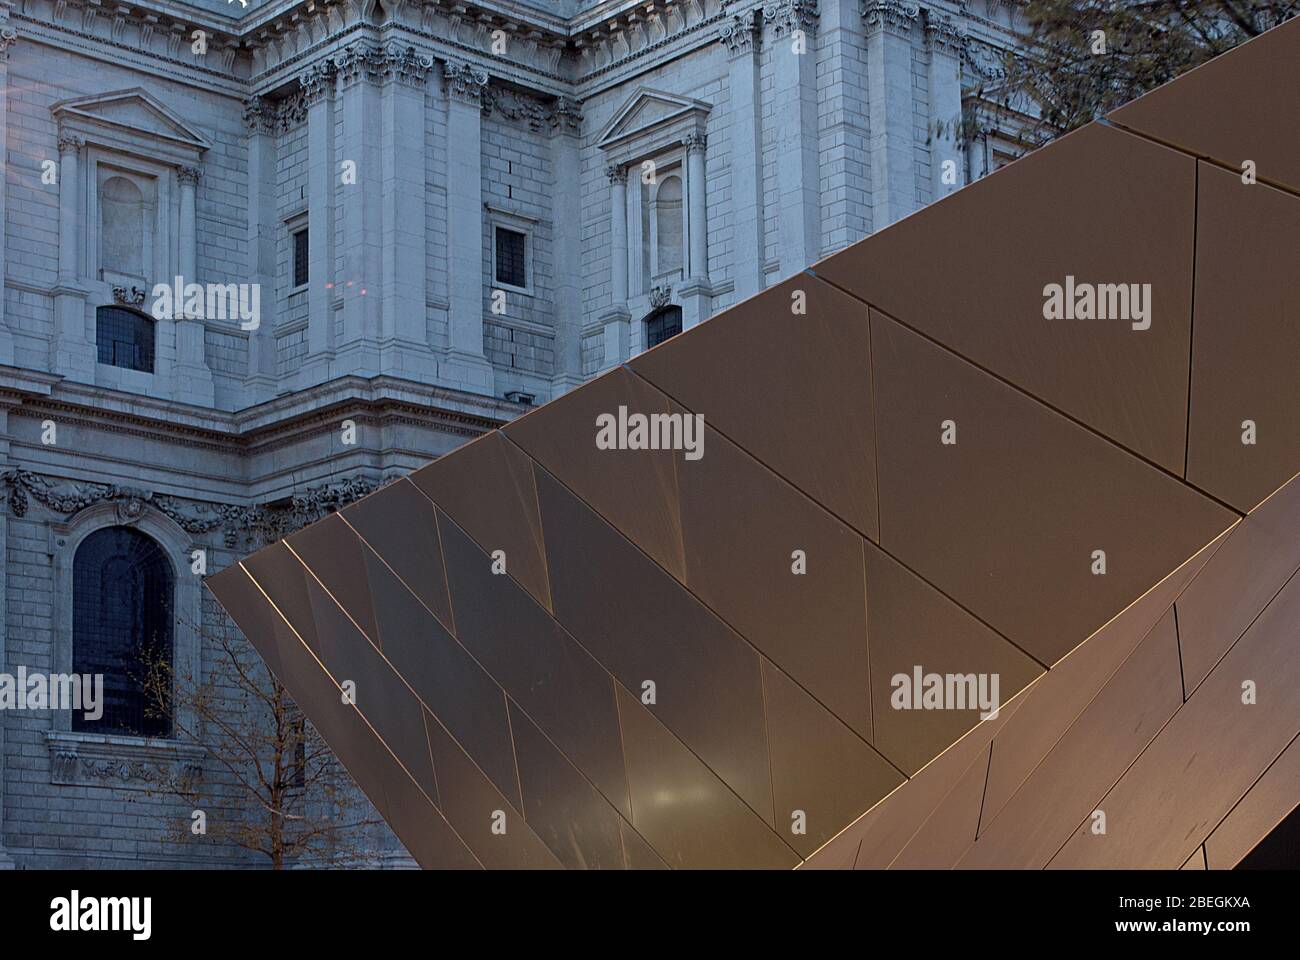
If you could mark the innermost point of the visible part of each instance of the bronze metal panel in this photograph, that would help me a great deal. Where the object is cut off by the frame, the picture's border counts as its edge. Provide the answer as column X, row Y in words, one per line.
column 398, row 523
column 818, row 363
column 950, row 829
column 250, row 610
column 741, row 524
column 1245, row 340
column 1091, row 755
column 688, row 815
column 1228, row 108
column 638, row 854
column 819, row 766
column 570, row 816
column 331, row 550
column 1059, row 698
column 542, row 668
column 635, row 490
column 1267, row 804
column 420, row 825
column 643, row 625
column 445, row 677
column 1005, row 520
column 1196, row 861
column 474, row 806
column 1208, row 755
column 1257, row 558
column 1000, row 241
column 911, row 625
column 487, row 487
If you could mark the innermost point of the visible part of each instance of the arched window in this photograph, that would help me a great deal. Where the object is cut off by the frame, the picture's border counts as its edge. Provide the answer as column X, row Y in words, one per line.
column 122, row 589
column 661, row 325
column 121, row 218
column 124, row 338
column 668, row 227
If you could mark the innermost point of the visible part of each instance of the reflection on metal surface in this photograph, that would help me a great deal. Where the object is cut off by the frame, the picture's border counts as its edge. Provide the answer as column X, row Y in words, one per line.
column 566, row 656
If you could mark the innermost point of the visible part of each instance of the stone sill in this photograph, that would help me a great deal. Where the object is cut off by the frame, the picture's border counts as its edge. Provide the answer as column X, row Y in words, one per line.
column 130, row 763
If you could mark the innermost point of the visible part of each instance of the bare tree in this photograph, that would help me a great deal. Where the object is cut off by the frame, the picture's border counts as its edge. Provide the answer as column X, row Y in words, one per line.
column 1083, row 58
column 298, row 803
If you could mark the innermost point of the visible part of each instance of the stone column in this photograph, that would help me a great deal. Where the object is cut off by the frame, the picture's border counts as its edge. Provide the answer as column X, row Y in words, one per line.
column 73, row 351
column 742, row 37
column 192, row 378
column 566, row 243
column 404, row 324
column 792, row 35
column 616, row 317
column 259, row 118
column 317, row 85
column 466, row 366
column 7, row 37
column 696, row 294
column 889, row 104
column 945, row 39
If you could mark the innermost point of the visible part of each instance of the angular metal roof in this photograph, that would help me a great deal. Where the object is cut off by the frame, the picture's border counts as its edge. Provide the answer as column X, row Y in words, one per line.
column 1044, row 433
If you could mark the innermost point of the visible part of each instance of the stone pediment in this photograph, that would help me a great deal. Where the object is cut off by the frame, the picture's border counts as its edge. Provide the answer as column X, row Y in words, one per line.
column 648, row 114
column 129, row 116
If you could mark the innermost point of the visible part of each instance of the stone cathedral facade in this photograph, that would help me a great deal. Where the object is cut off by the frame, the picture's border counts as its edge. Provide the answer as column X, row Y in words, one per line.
column 260, row 257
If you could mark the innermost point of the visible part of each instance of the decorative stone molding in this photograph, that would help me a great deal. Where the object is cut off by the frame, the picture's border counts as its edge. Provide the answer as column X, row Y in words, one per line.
column 464, row 81
column 189, row 175
column 250, row 525
column 896, row 15
column 8, row 37
column 317, row 82
column 260, row 115
column 742, row 33
column 565, row 116
column 985, row 61
column 70, row 143
column 660, row 296
column 94, row 760
column 941, row 33
column 616, row 173
column 695, row 142
column 401, row 64
column 132, row 297
column 515, row 106
column 786, row 16
column 356, row 63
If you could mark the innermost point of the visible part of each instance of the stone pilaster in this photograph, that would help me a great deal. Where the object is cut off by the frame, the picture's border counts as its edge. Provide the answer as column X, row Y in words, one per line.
column 465, row 366
column 890, row 25
column 696, row 293
column 616, row 317
column 565, row 122
column 791, row 36
column 742, row 36
column 263, row 234
column 945, row 40
column 317, row 85
column 192, row 380
column 72, row 351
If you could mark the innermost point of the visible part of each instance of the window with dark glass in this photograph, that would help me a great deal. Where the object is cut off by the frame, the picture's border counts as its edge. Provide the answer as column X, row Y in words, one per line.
column 511, row 268
column 124, row 338
column 122, row 588
column 662, row 325
column 300, row 250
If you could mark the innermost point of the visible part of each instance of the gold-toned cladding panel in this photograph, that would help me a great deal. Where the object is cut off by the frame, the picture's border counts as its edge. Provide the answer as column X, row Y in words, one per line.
column 948, row 831
column 1050, row 219
column 635, row 490
column 806, row 346
column 1009, row 508
column 1063, row 789
column 690, row 817
column 1228, row 109
column 487, row 488
column 1244, row 440
column 1258, row 556
column 1206, row 758
column 337, row 558
column 783, row 571
column 562, row 807
column 824, row 775
column 1267, row 804
column 924, row 650
column 566, row 692
column 488, row 823
column 397, row 522
column 704, row 677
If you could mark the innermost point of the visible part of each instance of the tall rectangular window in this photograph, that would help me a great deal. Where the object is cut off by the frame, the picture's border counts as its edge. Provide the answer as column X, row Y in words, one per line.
column 511, row 267
column 300, row 258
